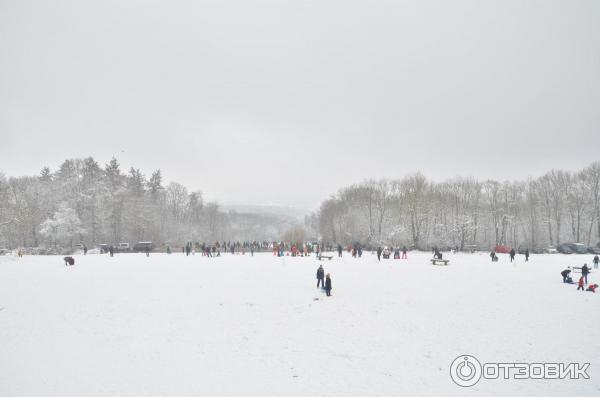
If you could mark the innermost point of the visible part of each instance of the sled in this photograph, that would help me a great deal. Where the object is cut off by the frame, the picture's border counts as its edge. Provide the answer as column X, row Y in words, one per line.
column 443, row 262
column 323, row 257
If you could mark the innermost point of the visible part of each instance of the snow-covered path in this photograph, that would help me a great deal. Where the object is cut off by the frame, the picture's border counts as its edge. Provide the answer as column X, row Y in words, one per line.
column 171, row 325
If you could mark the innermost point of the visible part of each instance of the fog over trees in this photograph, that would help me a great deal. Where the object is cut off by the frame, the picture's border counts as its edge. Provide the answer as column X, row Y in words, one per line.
column 557, row 207
column 83, row 201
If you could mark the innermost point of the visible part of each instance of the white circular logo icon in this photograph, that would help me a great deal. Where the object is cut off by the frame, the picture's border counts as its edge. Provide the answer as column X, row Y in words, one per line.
column 465, row 371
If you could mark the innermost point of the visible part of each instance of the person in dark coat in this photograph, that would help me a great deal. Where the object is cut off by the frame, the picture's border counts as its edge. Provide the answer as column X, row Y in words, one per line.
column 340, row 250
column 527, row 255
column 404, row 250
column 494, row 256
column 585, row 270
column 328, row 284
column 84, row 249
column 565, row 274
column 69, row 261
column 596, row 261
column 320, row 276
column 379, row 251
column 147, row 250
column 111, row 250
column 512, row 254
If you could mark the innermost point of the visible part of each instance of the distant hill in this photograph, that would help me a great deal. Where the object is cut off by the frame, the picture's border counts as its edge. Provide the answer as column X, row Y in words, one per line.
column 276, row 210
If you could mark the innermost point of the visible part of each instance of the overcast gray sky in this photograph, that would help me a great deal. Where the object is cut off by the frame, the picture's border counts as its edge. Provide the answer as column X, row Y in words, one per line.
column 283, row 102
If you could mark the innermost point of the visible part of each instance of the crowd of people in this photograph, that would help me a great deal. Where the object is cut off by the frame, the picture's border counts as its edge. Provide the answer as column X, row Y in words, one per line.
column 511, row 254
column 355, row 250
column 583, row 279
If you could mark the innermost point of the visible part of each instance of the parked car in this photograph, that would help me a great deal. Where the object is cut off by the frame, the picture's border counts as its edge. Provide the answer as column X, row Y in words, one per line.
column 470, row 248
column 502, row 249
column 142, row 246
column 594, row 250
column 550, row 250
column 575, row 248
column 580, row 248
column 123, row 247
column 565, row 248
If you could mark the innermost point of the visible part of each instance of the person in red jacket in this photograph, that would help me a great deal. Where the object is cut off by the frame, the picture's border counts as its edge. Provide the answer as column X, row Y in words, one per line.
column 592, row 287
column 580, row 284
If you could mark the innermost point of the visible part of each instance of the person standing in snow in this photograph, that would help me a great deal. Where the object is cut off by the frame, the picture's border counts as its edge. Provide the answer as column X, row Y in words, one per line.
column 111, row 250
column 379, row 251
column 585, row 270
column 147, row 250
column 320, row 276
column 404, row 250
column 340, row 251
column 527, row 255
column 596, row 260
column 512, row 254
column 494, row 256
column 328, row 284
column 580, row 284
column 84, row 249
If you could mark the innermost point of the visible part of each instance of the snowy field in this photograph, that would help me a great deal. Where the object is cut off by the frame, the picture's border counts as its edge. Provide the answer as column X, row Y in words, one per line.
column 171, row 325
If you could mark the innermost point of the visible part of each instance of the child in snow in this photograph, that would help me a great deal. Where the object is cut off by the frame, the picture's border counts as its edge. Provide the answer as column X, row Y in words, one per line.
column 580, row 284
column 592, row 287
column 328, row 284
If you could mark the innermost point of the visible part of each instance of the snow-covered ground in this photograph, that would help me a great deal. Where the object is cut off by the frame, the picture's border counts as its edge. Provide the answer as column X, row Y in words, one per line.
column 171, row 325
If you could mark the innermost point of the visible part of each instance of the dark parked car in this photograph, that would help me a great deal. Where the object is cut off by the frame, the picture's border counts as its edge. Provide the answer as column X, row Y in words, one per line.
column 142, row 246
column 594, row 250
column 572, row 248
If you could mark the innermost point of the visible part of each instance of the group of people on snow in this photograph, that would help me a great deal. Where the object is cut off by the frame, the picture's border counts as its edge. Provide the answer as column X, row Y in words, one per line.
column 324, row 280
column 511, row 254
column 385, row 252
column 583, row 280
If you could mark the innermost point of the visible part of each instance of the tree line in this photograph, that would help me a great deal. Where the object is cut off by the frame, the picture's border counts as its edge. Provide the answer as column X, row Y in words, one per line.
column 465, row 213
column 84, row 202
